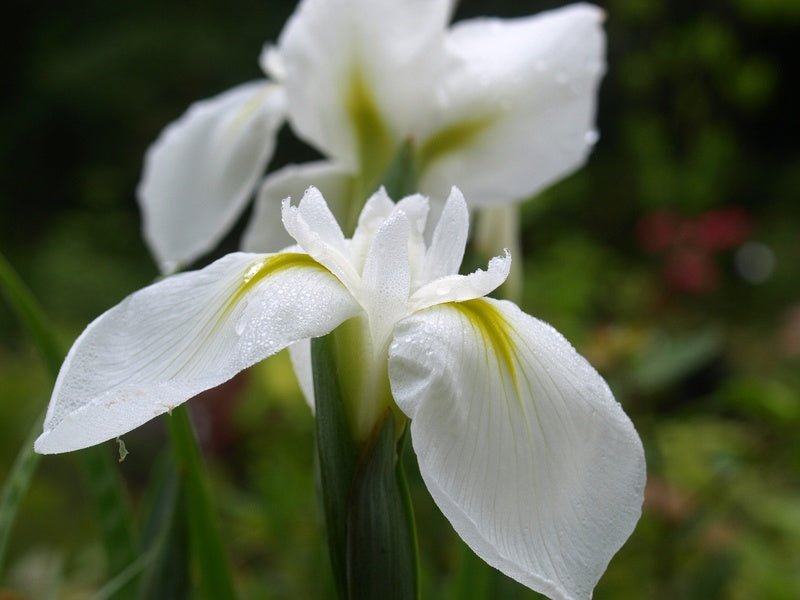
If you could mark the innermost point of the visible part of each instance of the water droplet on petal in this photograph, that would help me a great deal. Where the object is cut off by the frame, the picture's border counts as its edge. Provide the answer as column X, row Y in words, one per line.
column 591, row 137
column 253, row 271
column 241, row 322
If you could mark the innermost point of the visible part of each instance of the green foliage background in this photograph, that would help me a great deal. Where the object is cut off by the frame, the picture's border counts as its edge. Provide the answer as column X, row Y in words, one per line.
column 696, row 113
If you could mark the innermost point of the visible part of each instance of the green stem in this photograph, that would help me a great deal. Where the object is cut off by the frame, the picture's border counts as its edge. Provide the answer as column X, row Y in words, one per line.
column 111, row 508
column 106, row 487
column 15, row 487
column 204, row 535
column 337, row 454
column 368, row 514
column 31, row 317
column 381, row 542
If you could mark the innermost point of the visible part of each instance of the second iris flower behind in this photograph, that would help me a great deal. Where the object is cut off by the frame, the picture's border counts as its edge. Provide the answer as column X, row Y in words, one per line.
column 501, row 108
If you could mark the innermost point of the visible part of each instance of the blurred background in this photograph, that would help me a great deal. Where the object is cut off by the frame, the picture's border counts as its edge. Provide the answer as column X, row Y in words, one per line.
column 670, row 261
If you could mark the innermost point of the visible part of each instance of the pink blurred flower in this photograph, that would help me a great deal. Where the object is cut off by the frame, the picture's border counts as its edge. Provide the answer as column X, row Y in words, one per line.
column 689, row 244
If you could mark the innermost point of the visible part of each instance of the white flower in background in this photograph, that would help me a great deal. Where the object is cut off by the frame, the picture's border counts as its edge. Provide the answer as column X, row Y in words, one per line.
column 499, row 107
column 519, row 440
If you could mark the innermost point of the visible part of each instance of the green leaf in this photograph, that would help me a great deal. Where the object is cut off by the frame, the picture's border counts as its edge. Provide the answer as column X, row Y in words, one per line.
column 206, row 544
column 670, row 358
column 112, row 512
column 381, row 543
column 31, row 317
column 371, row 533
column 124, row 579
column 165, row 538
column 21, row 473
column 106, row 488
column 473, row 580
column 15, row 487
column 337, row 454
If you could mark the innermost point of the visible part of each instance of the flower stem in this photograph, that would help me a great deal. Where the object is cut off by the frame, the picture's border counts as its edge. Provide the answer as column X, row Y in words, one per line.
column 106, row 487
column 204, row 536
column 337, row 454
column 371, row 535
column 381, row 541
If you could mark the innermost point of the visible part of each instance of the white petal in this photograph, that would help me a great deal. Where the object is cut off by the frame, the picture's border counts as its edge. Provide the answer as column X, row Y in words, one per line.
column 185, row 334
column 520, row 442
column 300, row 355
column 516, row 104
column 388, row 45
column 201, row 171
column 386, row 278
column 317, row 232
column 376, row 210
column 459, row 288
column 446, row 251
column 270, row 62
column 265, row 232
column 415, row 207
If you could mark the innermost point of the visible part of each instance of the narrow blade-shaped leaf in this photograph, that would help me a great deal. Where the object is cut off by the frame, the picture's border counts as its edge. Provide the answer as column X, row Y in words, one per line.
column 336, row 453
column 204, row 536
column 381, row 548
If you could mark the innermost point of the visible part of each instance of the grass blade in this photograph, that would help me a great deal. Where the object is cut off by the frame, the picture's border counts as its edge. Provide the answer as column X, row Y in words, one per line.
column 106, row 488
column 15, row 487
column 205, row 540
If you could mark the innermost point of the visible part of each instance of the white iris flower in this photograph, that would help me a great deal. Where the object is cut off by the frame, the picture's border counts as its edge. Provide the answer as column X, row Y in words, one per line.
column 499, row 107
column 519, row 440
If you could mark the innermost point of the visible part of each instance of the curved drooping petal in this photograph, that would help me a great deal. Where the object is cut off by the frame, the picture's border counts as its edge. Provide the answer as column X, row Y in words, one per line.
column 265, row 231
column 300, row 355
column 520, row 442
column 201, row 171
column 516, row 97
column 185, row 334
column 353, row 64
column 460, row 288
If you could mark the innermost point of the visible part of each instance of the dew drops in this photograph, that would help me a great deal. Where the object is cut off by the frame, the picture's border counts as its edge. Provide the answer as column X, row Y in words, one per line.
column 443, row 290
column 253, row 271
column 241, row 322
column 591, row 137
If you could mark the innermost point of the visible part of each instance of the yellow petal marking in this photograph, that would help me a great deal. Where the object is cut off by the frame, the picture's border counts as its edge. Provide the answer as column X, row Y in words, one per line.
column 494, row 329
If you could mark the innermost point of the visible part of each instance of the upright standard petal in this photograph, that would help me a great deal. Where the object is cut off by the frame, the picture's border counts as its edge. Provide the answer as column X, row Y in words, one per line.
column 386, row 278
column 354, row 70
column 185, row 334
column 315, row 229
column 520, row 442
column 201, row 171
column 516, row 97
column 449, row 239
column 265, row 232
